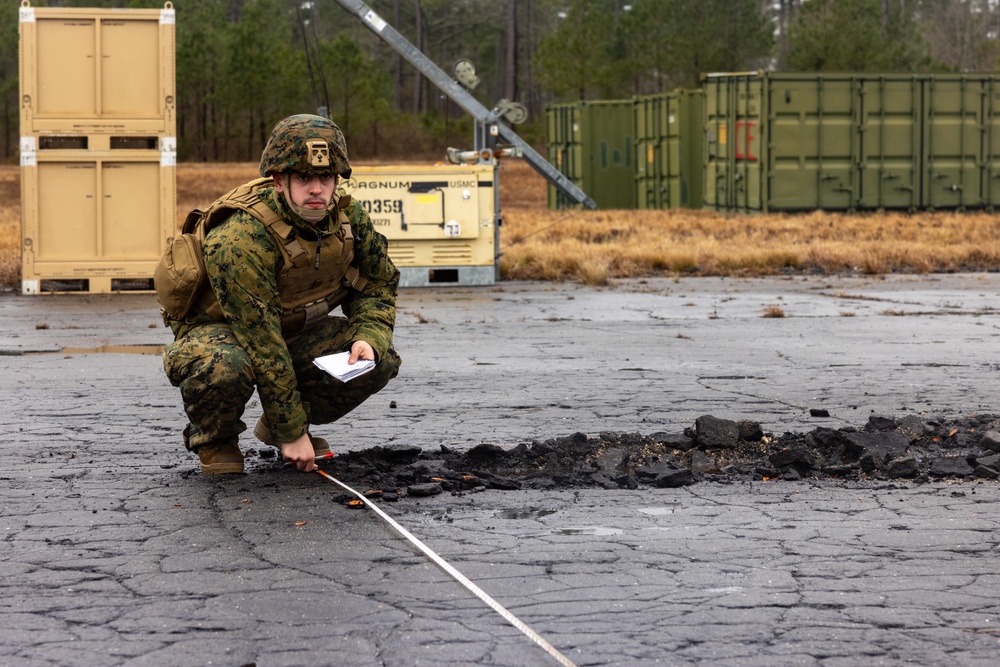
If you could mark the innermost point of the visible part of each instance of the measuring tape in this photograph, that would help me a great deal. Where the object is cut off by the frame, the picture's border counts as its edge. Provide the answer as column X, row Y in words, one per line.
column 462, row 579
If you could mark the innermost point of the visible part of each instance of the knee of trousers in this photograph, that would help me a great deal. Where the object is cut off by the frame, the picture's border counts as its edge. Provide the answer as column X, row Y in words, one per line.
column 223, row 370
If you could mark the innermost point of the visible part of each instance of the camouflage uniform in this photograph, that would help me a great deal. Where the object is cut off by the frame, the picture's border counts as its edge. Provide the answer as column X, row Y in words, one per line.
column 217, row 364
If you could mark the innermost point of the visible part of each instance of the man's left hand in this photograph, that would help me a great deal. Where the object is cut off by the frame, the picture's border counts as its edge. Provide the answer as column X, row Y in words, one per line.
column 361, row 350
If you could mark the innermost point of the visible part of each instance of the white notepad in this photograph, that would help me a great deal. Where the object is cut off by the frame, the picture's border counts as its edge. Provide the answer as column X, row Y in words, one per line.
column 337, row 366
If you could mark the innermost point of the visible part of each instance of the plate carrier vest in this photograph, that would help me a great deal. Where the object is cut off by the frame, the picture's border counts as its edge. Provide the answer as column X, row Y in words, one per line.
column 308, row 289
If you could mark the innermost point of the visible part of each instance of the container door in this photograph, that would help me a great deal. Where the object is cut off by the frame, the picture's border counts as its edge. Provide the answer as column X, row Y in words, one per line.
column 991, row 144
column 746, row 144
column 669, row 184
column 716, row 146
column 66, row 74
column 130, row 68
column 646, row 151
column 811, row 137
column 130, row 224
column 692, row 113
column 97, row 71
column 953, row 151
column 609, row 176
column 553, row 150
column 890, row 139
column 68, row 224
column 565, row 150
column 658, row 136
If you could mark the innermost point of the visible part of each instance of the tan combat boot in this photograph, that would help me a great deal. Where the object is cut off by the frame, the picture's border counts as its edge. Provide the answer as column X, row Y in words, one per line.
column 220, row 459
column 261, row 431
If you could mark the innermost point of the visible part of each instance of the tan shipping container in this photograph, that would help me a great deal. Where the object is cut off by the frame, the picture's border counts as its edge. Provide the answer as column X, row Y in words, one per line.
column 440, row 220
column 94, row 71
column 94, row 221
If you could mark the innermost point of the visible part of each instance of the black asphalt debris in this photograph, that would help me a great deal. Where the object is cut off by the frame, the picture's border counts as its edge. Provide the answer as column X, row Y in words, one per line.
column 913, row 448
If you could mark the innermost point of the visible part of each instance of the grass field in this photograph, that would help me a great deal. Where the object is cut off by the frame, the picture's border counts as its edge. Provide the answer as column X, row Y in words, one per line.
column 596, row 247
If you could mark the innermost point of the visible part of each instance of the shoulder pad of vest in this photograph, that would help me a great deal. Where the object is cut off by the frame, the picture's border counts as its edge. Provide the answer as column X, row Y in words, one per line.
column 241, row 198
column 344, row 202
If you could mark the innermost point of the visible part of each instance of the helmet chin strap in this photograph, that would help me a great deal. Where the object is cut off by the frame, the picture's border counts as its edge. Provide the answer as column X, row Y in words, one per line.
column 307, row 214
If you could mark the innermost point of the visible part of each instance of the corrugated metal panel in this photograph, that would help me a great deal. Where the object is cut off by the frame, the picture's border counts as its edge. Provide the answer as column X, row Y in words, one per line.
column 564, row 148
column 657, row 151
column 668, row 167
column 851, row 142
column 957, row 160
column 888, row 142
column 716, row 142
column 991, row 143
column 808, row 155
column 592, row 144
column 610, row 161
column 692, row 103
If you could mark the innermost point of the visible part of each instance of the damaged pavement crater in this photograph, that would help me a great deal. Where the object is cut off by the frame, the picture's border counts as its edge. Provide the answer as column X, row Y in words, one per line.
column 911, row 448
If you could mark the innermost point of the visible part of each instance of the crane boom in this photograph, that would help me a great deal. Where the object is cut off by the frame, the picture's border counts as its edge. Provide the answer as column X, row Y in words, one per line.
column 462, row 97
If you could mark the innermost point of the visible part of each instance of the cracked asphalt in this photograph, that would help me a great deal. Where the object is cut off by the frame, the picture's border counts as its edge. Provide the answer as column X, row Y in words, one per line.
column 117, row 552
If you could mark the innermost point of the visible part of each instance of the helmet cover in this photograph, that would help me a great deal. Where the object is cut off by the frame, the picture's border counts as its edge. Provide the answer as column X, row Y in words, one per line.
column 306, row 144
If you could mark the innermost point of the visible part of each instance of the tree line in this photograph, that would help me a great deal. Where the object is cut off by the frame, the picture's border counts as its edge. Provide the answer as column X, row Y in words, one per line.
column 243, row 64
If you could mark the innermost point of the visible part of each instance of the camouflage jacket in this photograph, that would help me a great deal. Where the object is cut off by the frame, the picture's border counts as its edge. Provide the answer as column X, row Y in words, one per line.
column 243, row 261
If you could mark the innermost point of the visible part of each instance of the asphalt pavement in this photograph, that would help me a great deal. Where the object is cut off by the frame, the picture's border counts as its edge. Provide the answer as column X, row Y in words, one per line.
column 116, row 551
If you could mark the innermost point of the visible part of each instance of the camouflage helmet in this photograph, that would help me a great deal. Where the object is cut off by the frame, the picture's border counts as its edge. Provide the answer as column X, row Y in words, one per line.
column 306, row 144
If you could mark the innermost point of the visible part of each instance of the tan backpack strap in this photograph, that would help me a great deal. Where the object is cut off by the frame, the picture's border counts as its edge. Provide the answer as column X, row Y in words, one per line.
column 352, row 275
column 348, row 241
column 354, row 278
column 191, row 221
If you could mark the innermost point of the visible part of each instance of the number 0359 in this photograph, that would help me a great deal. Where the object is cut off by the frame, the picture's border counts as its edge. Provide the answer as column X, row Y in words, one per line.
column 382, row 205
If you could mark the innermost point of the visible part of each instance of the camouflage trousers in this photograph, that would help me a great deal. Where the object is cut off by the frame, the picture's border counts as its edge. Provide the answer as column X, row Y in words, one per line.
column 216, row 378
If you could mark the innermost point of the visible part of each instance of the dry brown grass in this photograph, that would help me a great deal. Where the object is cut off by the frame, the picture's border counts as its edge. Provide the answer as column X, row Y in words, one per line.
column 566, row 245
column 10, row 226
column 773, row 310
column 198, row 184
column 595, row 247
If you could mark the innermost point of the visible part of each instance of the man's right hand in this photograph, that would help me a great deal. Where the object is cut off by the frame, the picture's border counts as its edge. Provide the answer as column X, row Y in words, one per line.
column 300, row 452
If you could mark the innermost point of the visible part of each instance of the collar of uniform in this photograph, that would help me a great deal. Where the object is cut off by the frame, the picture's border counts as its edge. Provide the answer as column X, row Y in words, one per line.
column 303, row 227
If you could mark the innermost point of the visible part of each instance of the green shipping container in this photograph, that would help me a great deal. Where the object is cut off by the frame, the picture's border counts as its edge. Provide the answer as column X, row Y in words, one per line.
column 961, row 142
column 668, row 150
column 786, row 142
column 592, row 143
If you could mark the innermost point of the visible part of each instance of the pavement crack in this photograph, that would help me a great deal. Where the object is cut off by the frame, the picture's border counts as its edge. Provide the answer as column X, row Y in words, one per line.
column 728, row 390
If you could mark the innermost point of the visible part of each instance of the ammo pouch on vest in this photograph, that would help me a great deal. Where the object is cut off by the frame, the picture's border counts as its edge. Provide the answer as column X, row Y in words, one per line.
column 181, row 279
column 179, row 276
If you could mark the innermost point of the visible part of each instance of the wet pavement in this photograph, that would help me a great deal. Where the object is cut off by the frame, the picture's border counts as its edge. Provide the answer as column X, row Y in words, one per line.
column 117, row 552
